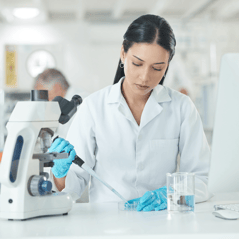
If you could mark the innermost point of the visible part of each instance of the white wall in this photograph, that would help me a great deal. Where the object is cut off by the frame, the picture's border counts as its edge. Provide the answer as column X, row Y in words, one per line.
column 91, row 52
column 90, row 56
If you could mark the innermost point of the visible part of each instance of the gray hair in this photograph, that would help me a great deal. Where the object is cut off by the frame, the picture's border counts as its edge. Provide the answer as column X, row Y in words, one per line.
column 51, row 76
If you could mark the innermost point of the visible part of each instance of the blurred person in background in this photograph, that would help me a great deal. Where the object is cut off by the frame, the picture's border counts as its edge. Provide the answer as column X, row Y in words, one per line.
column 57, row 85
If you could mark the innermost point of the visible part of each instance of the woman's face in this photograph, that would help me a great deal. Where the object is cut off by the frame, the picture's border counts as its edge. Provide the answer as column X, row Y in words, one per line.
column 144, row 66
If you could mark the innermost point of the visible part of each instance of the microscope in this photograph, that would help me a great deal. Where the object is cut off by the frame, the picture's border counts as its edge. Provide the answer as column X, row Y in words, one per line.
column 25, row 191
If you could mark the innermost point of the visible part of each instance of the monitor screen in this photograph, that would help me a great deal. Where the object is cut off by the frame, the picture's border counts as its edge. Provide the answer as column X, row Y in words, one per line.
column 224, row 169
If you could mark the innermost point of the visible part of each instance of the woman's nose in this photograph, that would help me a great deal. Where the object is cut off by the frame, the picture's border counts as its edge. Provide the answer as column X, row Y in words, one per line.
column 145, row 76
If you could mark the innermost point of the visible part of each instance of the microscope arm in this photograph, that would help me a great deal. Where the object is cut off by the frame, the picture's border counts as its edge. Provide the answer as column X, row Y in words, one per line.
column 47, row 157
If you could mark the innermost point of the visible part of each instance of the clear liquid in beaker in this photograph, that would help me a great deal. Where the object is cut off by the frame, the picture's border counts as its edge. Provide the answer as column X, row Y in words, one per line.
column 180, row 203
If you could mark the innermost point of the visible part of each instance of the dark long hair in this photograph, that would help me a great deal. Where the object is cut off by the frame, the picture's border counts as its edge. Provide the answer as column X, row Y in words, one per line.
column 147, row 29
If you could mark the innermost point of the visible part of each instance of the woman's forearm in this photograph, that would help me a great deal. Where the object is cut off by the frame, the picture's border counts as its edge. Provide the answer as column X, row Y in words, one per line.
column 59, row 182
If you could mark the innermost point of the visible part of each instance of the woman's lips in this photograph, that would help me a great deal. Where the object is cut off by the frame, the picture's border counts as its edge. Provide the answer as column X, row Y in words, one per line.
column 141, row 87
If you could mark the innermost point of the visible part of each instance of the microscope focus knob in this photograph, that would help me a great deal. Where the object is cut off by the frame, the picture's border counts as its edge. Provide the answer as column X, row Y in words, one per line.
column 37, row 186
column 46, row 186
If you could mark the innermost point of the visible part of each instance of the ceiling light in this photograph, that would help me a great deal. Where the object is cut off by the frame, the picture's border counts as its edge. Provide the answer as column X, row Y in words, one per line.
column 25, row 12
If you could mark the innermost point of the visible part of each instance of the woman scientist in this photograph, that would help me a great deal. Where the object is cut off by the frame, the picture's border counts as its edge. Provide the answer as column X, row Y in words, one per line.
column 131, row 132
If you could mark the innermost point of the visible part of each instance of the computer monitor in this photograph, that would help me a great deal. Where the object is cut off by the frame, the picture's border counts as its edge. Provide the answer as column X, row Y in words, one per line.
column 224, row 169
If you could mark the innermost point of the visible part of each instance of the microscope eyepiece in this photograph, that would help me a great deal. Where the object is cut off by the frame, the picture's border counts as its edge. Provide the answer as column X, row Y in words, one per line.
column 68, row 108
column 77, row 99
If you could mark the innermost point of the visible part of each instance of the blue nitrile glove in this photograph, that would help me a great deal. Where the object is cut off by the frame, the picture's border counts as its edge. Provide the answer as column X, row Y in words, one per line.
column 134, row 200
column 62, row 166
column 152, row 200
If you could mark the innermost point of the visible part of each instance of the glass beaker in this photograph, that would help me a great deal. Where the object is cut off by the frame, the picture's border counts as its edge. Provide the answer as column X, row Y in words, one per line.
column 180, row 192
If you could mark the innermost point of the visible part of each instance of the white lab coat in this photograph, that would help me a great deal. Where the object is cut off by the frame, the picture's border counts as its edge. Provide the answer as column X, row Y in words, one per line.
column 134, row 159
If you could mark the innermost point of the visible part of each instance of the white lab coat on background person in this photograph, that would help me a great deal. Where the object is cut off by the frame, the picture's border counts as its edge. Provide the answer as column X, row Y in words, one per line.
column 135, row 158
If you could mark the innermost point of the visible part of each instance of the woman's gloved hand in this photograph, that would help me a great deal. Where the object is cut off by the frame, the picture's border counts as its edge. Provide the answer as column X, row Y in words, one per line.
column 62, row 166
column 152, row 200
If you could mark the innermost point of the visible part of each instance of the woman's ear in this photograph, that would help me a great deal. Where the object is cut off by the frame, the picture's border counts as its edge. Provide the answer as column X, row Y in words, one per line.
column 122, row 54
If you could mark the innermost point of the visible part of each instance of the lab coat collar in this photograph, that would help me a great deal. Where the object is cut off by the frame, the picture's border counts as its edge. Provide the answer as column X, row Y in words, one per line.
column 151, row 109
column 160, row 93
column 115, row 94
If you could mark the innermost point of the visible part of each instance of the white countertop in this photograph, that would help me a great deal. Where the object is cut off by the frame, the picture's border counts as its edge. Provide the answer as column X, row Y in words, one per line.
column 87, row 220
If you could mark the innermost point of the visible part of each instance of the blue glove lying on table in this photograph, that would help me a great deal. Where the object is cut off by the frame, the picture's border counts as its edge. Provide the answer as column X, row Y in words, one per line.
column 152, row 200
column 62, row 166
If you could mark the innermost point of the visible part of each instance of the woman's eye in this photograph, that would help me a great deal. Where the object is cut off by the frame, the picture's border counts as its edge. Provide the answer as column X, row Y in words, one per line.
column 157, row 69
column 140, row 65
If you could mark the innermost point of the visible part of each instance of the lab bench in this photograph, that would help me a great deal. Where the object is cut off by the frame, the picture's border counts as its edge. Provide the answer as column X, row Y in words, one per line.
column 104, row 220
